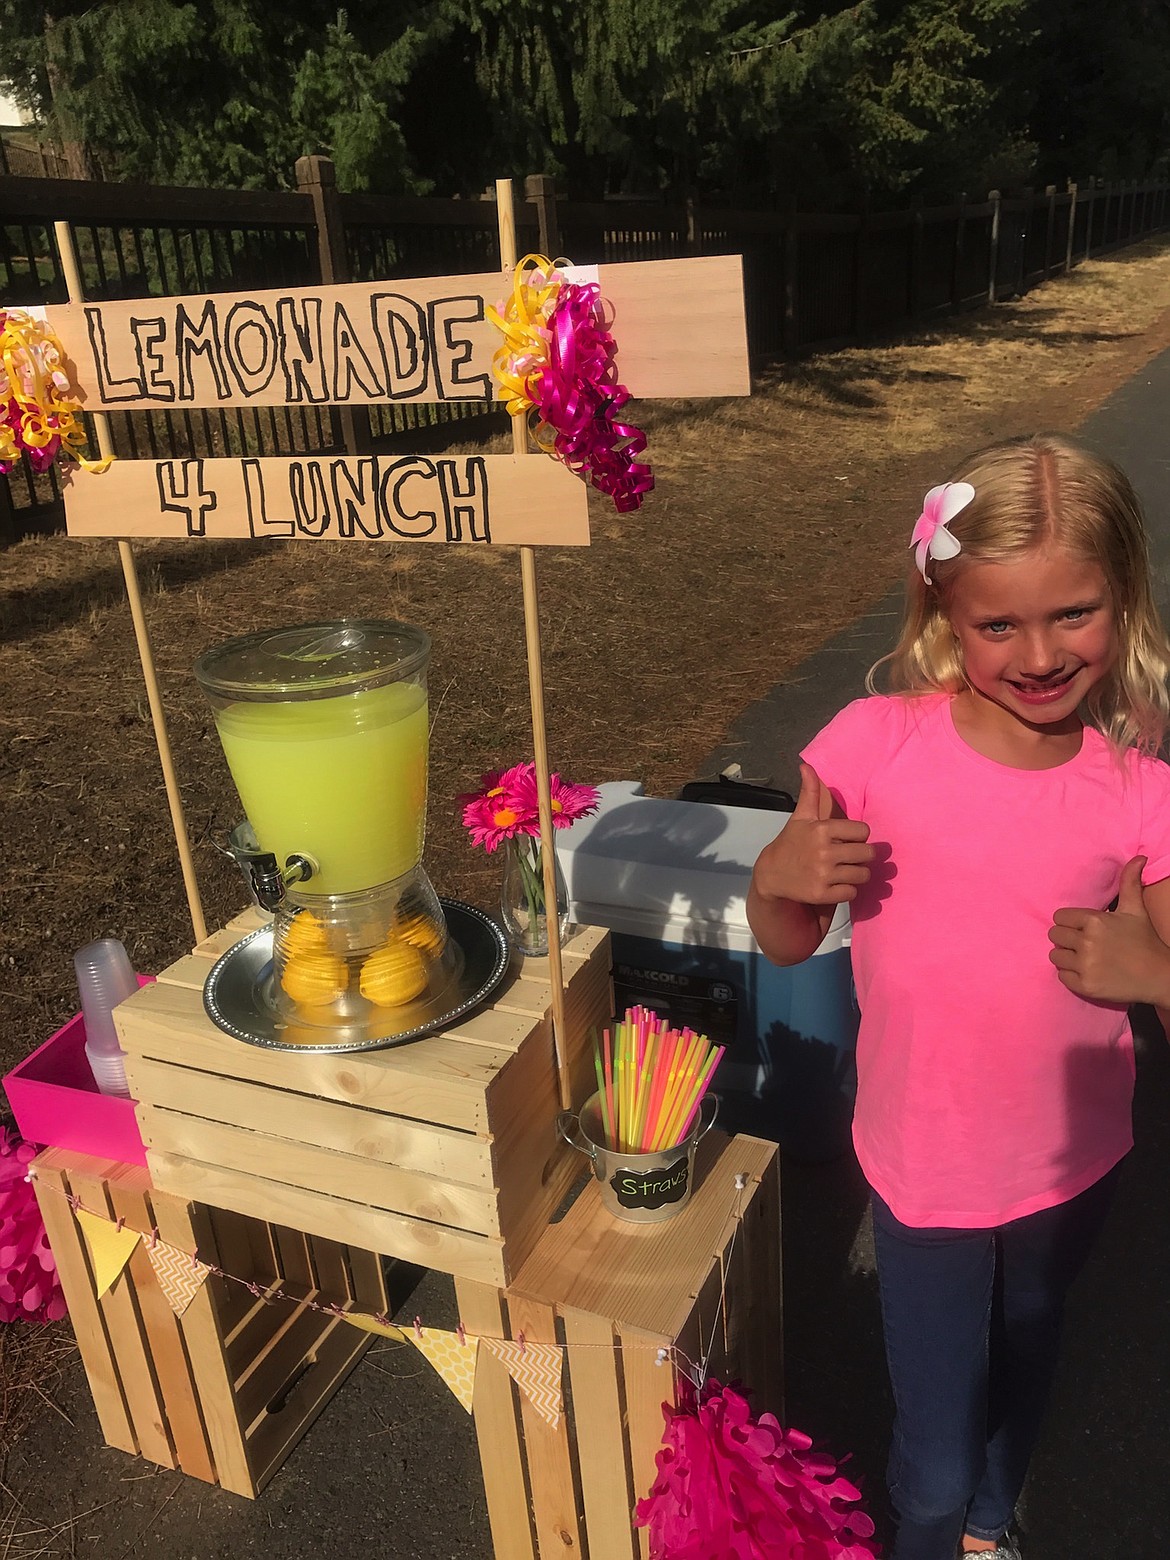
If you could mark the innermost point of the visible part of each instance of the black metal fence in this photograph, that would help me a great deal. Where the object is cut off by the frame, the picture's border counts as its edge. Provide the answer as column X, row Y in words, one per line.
column 812, row 281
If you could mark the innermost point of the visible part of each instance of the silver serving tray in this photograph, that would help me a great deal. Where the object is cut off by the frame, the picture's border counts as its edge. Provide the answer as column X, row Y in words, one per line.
column 239, row 994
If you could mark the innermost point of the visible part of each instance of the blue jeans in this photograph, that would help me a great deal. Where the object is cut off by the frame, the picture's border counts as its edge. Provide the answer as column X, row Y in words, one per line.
column 972, row 1322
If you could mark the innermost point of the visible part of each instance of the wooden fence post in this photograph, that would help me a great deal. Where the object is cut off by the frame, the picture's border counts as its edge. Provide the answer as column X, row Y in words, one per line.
column 1050, row 197
column 317, row 178
column 860, row 237
column 1072, row 222
column 9, row 529
column 790, row 328
column 996, row 199
column 914, row 266
column 957, row 255
column 1025, row 235
column 541, row 190
column 694, row 227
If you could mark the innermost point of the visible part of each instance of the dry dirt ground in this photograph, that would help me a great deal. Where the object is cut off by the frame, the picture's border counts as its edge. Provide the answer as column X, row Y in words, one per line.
column 775, row 521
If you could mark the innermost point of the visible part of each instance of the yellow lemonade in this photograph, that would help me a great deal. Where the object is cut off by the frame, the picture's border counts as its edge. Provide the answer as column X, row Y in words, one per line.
column 341, row 779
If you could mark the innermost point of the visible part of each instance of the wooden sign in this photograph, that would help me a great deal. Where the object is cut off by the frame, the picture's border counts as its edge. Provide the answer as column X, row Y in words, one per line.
column 679, row 326
column 390, row 498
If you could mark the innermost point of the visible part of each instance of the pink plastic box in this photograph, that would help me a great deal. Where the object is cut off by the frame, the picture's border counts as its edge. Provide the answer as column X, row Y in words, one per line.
column 57, row 1104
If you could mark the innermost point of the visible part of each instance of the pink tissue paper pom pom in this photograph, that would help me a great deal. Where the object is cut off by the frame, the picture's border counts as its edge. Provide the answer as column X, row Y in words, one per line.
column 734, row 1487
column 29, row 1289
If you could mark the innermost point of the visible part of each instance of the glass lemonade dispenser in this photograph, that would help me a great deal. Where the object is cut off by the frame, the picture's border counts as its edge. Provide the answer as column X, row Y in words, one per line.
column 325, row 730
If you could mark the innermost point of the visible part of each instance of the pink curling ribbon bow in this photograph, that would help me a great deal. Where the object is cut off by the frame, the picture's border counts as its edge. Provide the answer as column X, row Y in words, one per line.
column 558, row 362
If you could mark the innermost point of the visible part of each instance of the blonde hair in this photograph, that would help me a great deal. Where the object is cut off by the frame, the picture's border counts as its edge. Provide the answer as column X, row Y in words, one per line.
column 1030, row 491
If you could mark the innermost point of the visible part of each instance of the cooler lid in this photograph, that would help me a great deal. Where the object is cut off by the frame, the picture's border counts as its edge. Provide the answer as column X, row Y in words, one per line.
column 685, row 867
column 313, row 661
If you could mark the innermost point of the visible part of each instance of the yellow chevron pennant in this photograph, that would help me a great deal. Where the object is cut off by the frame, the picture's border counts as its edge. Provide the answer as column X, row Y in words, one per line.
column 536, row 1370
column 180, row 1276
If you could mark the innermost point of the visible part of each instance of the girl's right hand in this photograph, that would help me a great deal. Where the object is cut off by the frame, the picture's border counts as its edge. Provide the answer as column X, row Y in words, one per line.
column 817, row 858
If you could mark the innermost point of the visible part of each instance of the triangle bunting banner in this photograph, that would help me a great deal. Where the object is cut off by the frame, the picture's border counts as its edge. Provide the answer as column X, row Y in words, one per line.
column 180, row 1276
column 536, row 1370
column 371, row 1324
column 109, row 1248
column 453, row 1360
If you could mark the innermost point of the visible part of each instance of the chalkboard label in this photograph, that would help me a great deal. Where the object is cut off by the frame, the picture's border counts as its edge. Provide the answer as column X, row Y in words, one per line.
column 651, row 1188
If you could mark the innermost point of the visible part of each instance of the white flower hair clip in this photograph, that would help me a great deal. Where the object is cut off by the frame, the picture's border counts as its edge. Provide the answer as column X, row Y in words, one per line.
column 930, row 538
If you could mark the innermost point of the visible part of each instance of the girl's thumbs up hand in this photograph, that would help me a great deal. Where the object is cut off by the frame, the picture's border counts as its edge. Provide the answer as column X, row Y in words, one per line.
column 816, row 859
column 1112, row 955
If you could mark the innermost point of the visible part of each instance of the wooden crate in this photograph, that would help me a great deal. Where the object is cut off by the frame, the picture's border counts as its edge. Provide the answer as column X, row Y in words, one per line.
column 442, row 1152
column 615, row 1294
column 225, row 1391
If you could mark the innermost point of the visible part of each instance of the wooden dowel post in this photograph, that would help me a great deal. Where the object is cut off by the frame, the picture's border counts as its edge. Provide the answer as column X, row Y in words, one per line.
column 507, row 224
column 72, row 270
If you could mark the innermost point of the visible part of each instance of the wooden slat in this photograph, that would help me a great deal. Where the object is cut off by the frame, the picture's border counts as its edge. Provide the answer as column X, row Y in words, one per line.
column 214, row 946
column 86, row 200
column 321, row 1170
column 547, row 1451
column 711, row 1346
column 358, row 1224
column 436, row 1079
column 129, row 1341
column 679, row 325
column 331, row 1265
column 84, row 1313
column 164, row 1340
column 275, row 1435
column 288, row 1348
column 182, row 1226
column 582, row 944
column 646, row 1278
column 292, row 1255
column 267, row 1313
column 761, row 1304
column 235, row 1255
column 369, row 1282
column 647, row 1387
column 392, row 1140
column 512, row 501
column 533, row 1167
column 601, row 1449
column 497, row 1427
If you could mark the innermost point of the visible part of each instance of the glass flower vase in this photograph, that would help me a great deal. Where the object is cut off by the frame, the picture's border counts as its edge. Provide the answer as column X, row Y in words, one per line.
column 522, row 900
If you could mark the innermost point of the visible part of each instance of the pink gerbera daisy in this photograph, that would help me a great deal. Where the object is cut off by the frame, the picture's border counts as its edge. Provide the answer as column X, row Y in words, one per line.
column 496, row 811
column 569, row 802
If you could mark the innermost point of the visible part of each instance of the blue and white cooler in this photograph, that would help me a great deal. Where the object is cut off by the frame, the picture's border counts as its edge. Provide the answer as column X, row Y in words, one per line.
column 670, row 881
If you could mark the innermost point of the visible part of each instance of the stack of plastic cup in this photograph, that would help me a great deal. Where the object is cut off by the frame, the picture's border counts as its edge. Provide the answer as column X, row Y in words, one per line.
column 105, row 977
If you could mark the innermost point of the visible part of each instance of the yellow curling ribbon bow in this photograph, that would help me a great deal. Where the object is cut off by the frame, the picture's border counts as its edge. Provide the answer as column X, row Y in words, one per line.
column 39, row 414
column 523, row 319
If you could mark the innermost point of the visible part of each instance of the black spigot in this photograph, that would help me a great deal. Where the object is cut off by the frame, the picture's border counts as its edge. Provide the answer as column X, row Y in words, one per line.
column 269, row 881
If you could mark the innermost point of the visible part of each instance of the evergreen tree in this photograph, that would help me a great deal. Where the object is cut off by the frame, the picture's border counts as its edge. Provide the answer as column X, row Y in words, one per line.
column 228, row 92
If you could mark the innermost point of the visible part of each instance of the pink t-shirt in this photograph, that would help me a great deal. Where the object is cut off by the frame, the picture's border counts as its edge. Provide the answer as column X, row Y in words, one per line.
column 986, row 1089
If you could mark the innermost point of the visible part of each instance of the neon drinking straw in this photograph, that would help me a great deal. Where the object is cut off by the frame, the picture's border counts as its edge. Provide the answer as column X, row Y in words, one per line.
column 704, row 1079
column 684, row 1073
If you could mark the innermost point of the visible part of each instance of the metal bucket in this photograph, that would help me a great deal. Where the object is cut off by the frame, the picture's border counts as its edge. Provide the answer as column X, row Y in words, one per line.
column 643, row 1188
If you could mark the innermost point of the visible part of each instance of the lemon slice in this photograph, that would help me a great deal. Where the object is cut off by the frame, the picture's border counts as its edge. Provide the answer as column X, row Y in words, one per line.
column 422, row 933
column 314, row 979
column 394, row 975
column 305, row 934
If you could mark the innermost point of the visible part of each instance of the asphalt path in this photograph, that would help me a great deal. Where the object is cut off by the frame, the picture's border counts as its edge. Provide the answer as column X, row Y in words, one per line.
column 1098, row 1486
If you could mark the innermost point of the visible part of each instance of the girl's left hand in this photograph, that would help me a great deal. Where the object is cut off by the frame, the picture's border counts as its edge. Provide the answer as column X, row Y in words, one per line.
column 1113, row 955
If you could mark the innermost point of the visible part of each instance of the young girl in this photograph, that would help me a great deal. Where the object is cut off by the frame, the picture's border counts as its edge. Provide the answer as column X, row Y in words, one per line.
column 980, row 820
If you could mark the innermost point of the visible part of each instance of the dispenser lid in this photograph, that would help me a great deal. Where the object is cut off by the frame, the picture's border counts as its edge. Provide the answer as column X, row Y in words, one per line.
column 314, row 661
